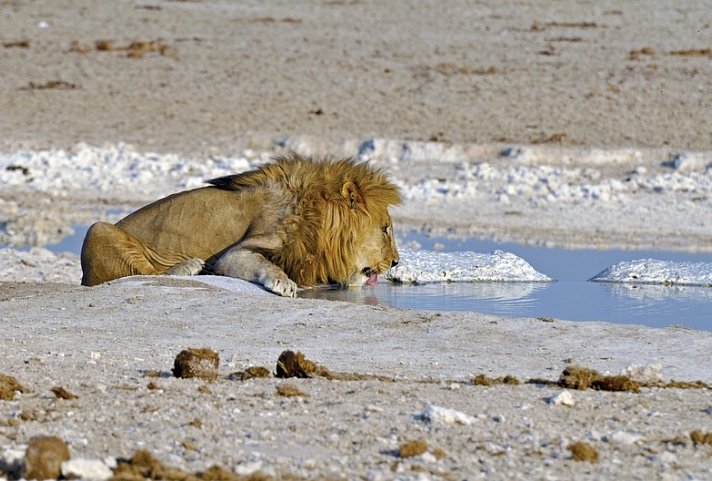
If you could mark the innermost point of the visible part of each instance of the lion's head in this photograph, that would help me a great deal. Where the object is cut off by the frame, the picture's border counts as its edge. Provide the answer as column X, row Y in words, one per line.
column 374, row 248
column 339, row 231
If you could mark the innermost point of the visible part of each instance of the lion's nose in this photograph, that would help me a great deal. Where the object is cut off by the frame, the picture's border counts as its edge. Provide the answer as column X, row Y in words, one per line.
column 394, row 263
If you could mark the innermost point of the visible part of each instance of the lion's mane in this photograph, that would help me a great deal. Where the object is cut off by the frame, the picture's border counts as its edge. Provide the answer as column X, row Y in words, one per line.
column 323, row 223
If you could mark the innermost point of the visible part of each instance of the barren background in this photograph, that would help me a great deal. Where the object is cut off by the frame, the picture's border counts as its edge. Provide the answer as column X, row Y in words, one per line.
column 205, row 78
column 602, row 73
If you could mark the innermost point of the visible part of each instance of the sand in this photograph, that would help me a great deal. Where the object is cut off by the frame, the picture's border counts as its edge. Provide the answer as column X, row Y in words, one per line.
column 220, row 79
column 605, row 74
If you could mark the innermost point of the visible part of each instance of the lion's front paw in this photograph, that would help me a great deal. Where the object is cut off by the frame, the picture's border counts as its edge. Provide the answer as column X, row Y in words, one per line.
column 283, row 287
column 189, row 267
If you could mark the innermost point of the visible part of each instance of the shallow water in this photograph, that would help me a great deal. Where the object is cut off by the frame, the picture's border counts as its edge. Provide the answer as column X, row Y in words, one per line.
column 571, row 297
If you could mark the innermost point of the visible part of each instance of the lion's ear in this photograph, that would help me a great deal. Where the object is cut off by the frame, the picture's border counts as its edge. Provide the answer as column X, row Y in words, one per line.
column 350, row 192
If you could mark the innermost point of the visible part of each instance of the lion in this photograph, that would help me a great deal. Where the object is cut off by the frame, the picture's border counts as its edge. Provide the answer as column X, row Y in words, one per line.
column 296, row 221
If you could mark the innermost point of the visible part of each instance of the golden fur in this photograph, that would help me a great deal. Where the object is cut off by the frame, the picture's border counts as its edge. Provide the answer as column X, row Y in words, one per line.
column 295, row 220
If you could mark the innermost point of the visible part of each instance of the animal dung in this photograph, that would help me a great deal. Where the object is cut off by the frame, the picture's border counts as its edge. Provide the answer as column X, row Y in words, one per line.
column 290, row 390
column 144, row 465
column 61, row 393
column 412, row 448
column 699, row 437
column 484, row 380
column 250, row 373
column 44, row 457
column 201, row 363
column 581, row 451
column 9, row 386
column 291, row 364
column 576, row 377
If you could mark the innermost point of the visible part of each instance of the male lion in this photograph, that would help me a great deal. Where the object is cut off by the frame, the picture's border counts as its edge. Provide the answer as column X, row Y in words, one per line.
column 295, row 221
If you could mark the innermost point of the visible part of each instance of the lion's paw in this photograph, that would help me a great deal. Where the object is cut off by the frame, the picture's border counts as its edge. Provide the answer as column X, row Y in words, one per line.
column 189, row 267
column 283, row 287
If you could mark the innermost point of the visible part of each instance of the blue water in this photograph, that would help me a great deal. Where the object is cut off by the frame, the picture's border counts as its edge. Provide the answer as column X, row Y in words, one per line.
column 571, row 297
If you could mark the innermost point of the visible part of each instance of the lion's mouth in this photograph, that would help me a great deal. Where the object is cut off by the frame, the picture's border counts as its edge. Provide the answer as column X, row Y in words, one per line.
column 372, row 276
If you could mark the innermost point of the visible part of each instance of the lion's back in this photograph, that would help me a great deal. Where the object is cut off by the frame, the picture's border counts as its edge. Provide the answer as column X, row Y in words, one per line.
column 195, row 223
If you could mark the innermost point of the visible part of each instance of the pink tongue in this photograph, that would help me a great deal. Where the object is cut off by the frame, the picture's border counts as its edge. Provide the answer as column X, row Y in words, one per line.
column 372, row 280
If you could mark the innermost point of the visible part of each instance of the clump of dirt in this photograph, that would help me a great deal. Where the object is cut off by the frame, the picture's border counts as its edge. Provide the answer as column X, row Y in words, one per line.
column 291, row 364
column 143, row 465
column 17, row 44
column 290, row 390
column 616, row 383
column 581, row 451
column 140, row 48
column 201, row 363
column 698, row 437
column 44, row 457
column 61, row 393
column 693, row 52
column 439, row 453
column 638, row 53
column 51, row 85
column 484, row 380
column 104, row 45
column 136, row 49
column 152, row 386
column 250, row 373
column 576, row 377
column 555, row 138
column 412, row 448
column 9, row 386
column 679, row 384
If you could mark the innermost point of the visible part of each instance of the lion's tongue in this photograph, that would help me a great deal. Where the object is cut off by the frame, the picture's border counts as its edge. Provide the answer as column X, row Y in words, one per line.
column 372, row 280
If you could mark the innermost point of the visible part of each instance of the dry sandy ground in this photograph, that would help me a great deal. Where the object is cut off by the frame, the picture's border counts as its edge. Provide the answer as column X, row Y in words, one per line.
column 223, row 76
column 98, row 344
column 601, row 73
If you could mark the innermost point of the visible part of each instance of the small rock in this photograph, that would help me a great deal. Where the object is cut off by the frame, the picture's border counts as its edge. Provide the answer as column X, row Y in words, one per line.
column 622, row 437
column 563, row 398
column 86, row 469
column 437, row 414
column 665, row 458
column 688, row 161
column 11, row 462
column 248, row 469
column 201, row 363
column 44, row 457
column 647, row 373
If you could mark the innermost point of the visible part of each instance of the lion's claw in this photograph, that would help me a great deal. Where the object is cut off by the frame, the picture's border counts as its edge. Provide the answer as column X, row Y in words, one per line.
column 283, row 287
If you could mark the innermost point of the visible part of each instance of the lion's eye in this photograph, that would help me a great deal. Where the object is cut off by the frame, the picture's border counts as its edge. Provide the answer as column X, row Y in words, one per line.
column 385, row 229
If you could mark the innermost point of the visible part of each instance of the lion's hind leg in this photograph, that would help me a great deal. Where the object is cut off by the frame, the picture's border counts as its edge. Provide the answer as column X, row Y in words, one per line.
column 110, row 253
